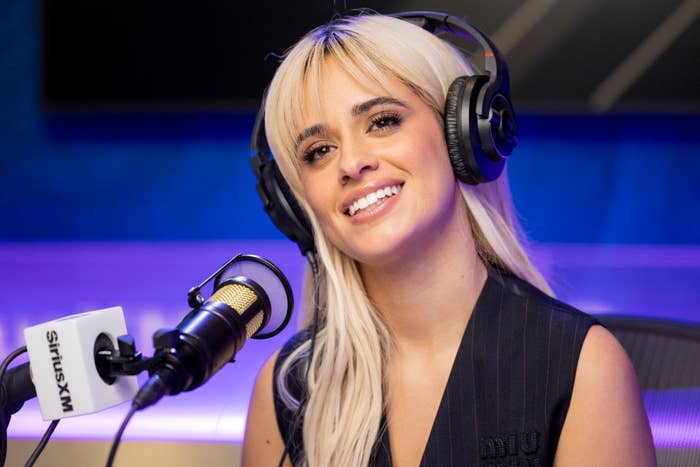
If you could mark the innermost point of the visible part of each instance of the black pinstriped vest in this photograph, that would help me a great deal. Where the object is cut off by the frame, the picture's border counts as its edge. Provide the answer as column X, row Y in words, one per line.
column 509, row 389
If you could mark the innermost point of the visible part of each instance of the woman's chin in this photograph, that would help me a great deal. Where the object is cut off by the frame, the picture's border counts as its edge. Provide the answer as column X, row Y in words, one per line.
column 385, row 250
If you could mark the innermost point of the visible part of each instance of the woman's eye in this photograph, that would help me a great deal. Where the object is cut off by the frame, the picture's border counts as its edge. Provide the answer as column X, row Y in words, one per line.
column 385, row 122
column 315, row 154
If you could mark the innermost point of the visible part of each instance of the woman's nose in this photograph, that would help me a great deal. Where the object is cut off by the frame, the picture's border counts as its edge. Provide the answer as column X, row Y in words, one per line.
column 355, row 162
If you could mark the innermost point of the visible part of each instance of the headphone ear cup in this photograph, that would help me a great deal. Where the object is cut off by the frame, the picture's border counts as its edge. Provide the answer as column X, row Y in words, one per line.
column 497, row 132
column 281, row 205
column 464, row 131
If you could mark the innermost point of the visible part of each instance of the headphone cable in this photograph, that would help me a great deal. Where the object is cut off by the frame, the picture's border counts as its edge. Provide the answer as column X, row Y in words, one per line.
column 311, row 257
column 3, row 423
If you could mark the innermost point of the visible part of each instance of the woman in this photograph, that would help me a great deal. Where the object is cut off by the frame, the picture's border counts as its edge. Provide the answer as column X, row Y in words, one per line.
column 438, row 342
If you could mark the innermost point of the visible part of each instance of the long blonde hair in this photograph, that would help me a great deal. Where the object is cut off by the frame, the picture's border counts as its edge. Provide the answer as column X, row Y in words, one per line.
column 344, row 412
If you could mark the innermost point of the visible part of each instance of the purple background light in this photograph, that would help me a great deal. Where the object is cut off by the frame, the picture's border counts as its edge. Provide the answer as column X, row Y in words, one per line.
column 46, row 281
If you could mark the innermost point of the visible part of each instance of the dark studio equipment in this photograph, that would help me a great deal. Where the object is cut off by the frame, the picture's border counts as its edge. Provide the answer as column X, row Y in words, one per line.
column 250, row 298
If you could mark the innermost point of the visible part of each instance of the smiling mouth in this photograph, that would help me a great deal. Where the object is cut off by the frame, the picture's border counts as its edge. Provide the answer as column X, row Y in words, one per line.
column 373, row 198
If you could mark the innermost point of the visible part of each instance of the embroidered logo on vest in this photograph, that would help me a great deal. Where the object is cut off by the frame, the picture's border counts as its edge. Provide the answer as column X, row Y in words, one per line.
column 511, row 449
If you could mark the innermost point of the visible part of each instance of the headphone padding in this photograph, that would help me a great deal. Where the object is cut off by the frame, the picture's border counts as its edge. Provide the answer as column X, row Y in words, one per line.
column 457, row 134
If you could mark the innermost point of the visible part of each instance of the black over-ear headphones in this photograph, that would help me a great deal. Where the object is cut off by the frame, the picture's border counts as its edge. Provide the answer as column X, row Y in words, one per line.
column 480, row 129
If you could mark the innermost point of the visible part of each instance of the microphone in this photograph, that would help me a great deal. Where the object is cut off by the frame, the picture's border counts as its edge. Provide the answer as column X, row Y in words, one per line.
column 63, row 367
column 251, row 298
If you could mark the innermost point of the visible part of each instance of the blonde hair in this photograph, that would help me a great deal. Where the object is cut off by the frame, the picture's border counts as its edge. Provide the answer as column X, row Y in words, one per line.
column 344, row 412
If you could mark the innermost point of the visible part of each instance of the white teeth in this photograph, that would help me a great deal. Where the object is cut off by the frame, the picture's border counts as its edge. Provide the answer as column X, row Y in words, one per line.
column 372, row 198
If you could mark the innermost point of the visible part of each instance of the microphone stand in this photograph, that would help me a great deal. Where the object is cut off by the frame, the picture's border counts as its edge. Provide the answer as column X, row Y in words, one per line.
column 16, row 386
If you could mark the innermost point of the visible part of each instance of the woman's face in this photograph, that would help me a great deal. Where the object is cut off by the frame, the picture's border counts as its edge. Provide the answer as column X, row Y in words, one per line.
column 374, row 168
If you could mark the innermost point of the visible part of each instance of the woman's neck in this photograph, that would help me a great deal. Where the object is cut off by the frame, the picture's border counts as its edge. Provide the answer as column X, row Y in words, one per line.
column 428, row 297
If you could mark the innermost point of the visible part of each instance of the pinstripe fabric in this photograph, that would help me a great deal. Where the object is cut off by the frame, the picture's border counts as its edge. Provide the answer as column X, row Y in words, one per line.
column 509, row 389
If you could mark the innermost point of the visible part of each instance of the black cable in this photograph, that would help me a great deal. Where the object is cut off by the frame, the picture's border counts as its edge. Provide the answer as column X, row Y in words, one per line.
column 3, row 423
column 5, row 363
column 42, row 443
column 118, row 436
column 3, row 438
column 311, row 257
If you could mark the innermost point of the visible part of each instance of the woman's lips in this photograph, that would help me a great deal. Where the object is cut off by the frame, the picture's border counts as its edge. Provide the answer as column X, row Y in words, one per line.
column 376, row 209
column 370, row 195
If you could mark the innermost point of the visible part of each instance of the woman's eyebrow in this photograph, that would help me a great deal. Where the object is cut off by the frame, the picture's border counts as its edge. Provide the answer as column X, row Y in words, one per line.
column 314, row 130
column 359, row 109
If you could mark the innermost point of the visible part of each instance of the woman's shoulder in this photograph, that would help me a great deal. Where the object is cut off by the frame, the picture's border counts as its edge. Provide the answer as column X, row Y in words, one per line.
column 606, row 422
column 532, row 300
column 270, row 418
column 262, row 442
column 288, row 391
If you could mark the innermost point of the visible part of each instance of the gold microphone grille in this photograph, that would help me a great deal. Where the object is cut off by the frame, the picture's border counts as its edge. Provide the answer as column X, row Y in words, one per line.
column 240, row 298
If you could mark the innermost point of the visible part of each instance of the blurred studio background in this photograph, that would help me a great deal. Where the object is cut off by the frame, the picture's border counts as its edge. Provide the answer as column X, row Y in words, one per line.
column 125, row 179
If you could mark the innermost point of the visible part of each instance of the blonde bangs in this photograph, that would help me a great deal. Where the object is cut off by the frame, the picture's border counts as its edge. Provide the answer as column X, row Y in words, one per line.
column 369, row 48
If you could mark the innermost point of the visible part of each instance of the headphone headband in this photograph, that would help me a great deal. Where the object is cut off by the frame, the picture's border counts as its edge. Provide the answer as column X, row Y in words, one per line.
column 494, row 63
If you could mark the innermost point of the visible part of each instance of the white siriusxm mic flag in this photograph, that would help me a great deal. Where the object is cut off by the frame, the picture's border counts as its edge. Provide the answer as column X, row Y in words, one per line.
column 62, row 363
